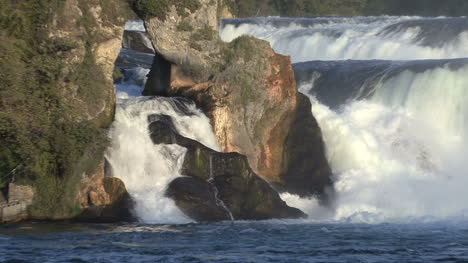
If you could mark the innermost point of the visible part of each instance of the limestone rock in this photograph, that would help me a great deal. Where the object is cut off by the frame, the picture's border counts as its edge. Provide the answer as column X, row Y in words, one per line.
column 73, row 23
column 248, row 92
column 180, row 36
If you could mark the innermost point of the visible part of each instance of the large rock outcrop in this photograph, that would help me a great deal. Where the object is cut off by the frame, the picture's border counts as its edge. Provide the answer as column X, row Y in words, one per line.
column 219, row 184
column 57, row 97
column 245, row 88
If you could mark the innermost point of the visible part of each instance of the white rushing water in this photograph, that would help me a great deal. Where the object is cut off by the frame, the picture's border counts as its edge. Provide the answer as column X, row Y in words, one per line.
column 135, row 25
column 399, row 153
column 338, row 38
column 146, row 168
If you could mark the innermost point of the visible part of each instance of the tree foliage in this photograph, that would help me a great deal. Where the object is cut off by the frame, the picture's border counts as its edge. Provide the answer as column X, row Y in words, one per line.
column 40, row 139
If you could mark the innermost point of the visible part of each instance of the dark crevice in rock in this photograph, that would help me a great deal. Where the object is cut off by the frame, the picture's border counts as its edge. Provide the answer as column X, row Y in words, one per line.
column 307, row 172
column 159, row 78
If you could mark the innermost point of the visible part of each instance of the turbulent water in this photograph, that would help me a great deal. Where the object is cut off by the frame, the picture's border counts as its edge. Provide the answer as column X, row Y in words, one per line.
column 240, row 242
column 338, row 38
column 146, row 168
column 390, row 96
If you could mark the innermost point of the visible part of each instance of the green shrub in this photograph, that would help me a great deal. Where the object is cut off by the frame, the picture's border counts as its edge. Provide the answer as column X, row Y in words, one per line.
column 206, row 33
column 184, row 26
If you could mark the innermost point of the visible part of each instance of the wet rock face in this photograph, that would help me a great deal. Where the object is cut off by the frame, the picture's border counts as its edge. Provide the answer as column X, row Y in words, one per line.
column 306, row 169
column 196, row 198
column 226, row 176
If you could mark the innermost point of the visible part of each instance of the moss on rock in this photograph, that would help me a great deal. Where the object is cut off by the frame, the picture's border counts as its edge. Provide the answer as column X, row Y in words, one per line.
column 48, row 139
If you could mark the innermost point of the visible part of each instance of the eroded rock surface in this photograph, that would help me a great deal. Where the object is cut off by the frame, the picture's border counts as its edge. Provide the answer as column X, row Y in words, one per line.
column 248, row 92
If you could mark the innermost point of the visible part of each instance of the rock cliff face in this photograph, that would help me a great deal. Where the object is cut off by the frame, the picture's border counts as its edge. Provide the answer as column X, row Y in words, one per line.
column 57, row 98
column 248, row 91
column 306, row 168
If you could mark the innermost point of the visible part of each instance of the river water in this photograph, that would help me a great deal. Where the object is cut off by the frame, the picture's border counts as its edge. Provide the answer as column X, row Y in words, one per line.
column 239, row 242
column 390, row 96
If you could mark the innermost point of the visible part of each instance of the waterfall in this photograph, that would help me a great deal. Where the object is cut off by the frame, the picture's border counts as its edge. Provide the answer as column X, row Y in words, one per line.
column 146, row 168
column 394, row 119
column 339, row 38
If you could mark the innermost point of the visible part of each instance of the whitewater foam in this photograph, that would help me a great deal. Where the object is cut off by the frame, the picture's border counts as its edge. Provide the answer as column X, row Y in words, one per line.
column 135, row 25
column 397, row 152
column 337, row 38
column 396, row 140
column 146, row 168
column 398, row 155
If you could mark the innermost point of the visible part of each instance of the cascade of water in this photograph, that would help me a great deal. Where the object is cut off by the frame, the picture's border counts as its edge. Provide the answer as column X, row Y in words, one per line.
column 338, row 38
column 395, row 131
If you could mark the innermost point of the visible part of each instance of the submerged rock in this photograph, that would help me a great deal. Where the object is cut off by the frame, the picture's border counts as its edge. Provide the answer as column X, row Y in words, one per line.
column 218, row 177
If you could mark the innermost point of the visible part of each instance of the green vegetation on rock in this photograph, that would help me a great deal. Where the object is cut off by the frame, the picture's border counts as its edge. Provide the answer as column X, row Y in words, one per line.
column 243, row 58
column 203, row 34
column 44, row 140
column 184, row 26
column 159, row 8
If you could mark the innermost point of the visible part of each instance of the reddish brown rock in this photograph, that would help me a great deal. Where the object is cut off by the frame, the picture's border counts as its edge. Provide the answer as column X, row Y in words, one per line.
column 248, row 92
column 104, row 199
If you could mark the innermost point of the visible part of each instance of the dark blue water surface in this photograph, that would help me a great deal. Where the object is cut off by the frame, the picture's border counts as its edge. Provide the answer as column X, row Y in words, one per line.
column 234, row 242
